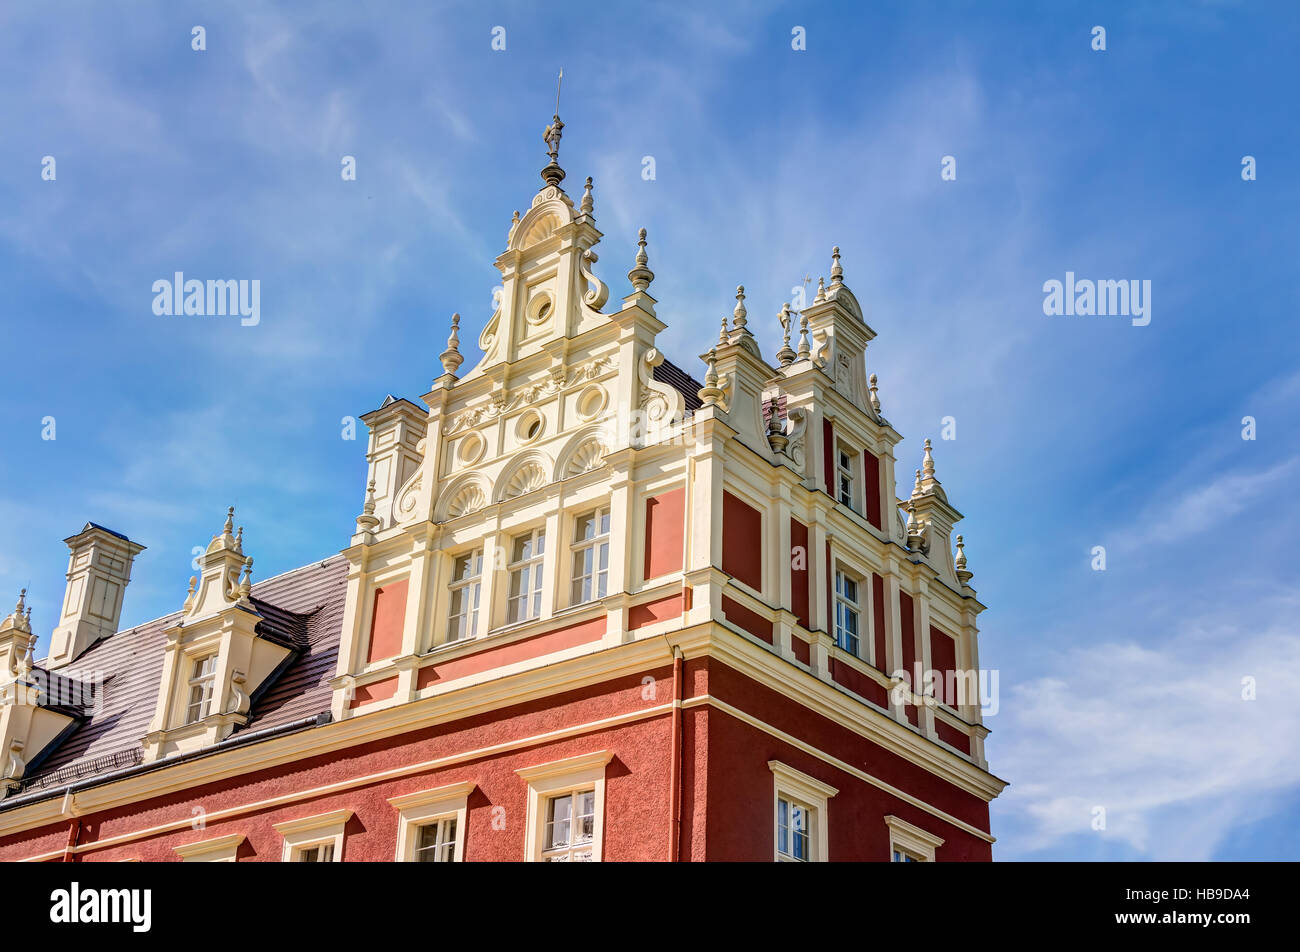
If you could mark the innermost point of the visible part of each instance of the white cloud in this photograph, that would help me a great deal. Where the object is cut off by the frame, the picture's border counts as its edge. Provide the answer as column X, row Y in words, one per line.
column 1159, row 736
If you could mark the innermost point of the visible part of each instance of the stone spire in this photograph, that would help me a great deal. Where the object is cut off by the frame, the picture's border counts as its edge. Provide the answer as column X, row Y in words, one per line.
column 640, row 275
column 451, row 357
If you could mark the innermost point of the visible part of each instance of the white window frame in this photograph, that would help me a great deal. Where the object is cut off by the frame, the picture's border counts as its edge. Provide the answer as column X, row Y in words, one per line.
column 220, row 849
column 906, row 838
column 578, row 549
column 473, row 586
column 845, row 604
column 556, row 779
column 416, row 810
column 536, row 567
column 205, row 682
column 324, row 829
column 849, row 472
column 792, row 784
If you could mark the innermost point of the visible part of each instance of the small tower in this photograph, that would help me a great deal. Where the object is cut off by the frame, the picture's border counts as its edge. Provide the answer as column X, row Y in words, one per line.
column 99, row 568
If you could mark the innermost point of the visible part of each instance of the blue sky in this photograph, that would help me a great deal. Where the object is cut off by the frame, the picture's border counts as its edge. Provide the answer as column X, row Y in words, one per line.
column 1119, row 688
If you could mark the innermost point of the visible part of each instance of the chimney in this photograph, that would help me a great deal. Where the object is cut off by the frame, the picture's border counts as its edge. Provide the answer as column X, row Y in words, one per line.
column 98, row 571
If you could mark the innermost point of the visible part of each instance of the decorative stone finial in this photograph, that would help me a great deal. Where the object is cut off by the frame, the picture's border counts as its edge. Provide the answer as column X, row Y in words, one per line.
column 804, row 349
column 239, row 540
column 246, row 586
column 928, row 464
column 963, row 575
column 723, row 337
column 513, row 222
column 837, row 272
column 451, row 357
column 588, row 203
column 640, row 275
column 230, row 521
column 785, row 356
column 739, row 320
column 916, row 487
column 368, row 522
column 875, row 397
column 21, row 617
column 711, row 393
column 776, row 431
column 821, row 291
column 189, row 594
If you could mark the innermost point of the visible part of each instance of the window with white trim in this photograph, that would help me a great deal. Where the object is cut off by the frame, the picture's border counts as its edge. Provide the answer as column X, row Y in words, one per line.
column 221, row 849
column 431, row 824
column 844, row 472
column 527, row 554
column 314, row 839
column 794, row 822
column 800, row 815
column 909, row 843
column 590, row 556
column 570, row 827
column 566, row 805
column 203, row 675
column 464, row 590
column 848, row 611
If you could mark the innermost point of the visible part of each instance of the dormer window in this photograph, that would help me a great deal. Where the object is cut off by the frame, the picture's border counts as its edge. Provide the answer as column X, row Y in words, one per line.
column 203, row 675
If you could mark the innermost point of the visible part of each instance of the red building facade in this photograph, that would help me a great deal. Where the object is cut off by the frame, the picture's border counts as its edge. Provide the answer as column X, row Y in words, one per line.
column 593, row 609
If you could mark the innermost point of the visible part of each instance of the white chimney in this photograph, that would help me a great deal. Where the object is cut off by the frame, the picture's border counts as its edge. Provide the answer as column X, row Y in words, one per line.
column 98, row 572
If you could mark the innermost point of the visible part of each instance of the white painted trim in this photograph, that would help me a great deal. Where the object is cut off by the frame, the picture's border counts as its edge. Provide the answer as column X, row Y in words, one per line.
column 911, row 839
column 220, row 849
column 573, row 774
column 811, row 792
column 326, row 828
column 417, row 809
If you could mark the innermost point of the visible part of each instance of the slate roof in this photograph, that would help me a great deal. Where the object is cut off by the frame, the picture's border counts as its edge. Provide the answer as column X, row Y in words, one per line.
column 669, row 373
column 302, row 609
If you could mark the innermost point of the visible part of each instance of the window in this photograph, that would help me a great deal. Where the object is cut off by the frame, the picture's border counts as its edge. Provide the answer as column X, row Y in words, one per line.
column 570, row 827
column 910, row 844
column 793, row 824
column 846, row 612
column 591, row 556
column 801, row 815
column 431, row 824
column 844, row 472
column 436, row 841
column 314, row 839
column 525, row 597
column 566, row 805
column 202, row 677
column 466, row 584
